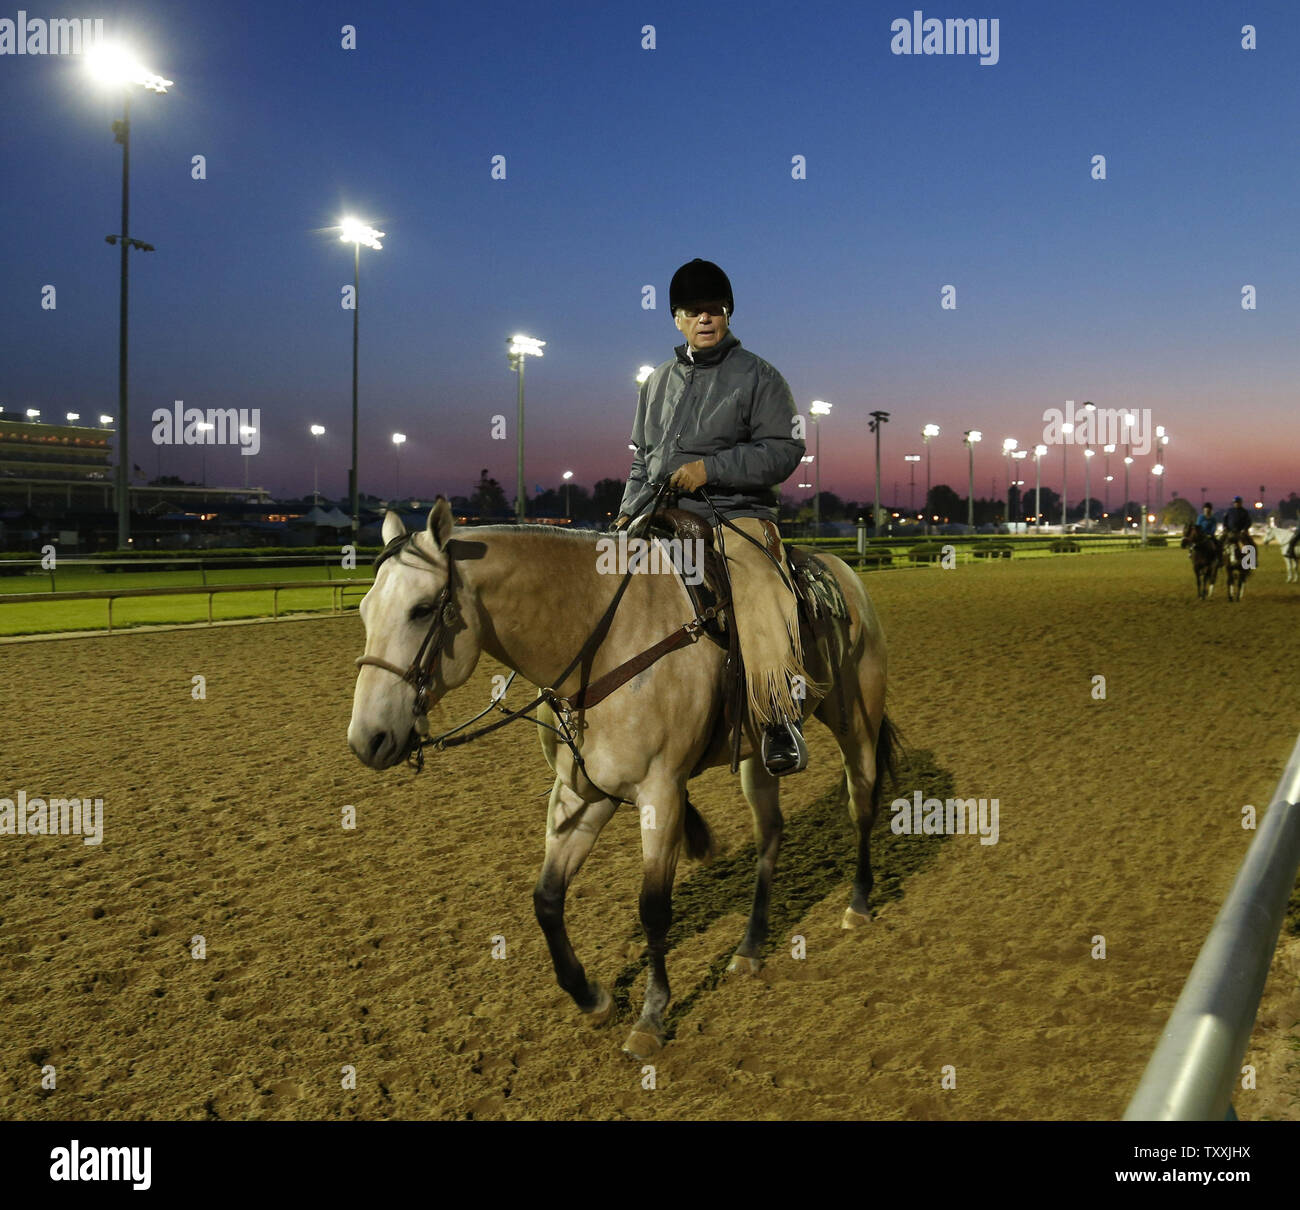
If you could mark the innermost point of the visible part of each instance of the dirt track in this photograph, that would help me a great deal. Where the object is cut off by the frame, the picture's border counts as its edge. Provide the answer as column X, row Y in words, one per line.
column 372, row 947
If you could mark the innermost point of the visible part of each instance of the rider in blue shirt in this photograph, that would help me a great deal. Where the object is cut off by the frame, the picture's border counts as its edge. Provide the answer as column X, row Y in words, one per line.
column 1205, row 522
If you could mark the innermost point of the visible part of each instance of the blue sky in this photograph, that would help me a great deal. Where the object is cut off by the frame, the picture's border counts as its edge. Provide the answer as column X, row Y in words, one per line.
column 621, row 163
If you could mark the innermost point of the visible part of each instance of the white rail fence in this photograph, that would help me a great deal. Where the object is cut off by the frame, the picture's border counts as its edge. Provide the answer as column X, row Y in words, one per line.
column 340, row 589
column 1197, row 1062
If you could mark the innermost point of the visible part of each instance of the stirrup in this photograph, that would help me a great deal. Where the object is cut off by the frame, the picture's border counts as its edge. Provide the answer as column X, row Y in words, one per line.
column 783, row 763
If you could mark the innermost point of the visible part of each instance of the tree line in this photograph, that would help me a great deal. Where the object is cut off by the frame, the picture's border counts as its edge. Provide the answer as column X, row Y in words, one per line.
column 599, row 505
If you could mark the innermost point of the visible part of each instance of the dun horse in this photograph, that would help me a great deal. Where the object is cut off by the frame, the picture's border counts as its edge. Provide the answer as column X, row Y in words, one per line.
column 1207, row 558
column 531, row 598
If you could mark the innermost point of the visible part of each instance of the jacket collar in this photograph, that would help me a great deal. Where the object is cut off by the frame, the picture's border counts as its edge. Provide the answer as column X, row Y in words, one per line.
column 708, row 357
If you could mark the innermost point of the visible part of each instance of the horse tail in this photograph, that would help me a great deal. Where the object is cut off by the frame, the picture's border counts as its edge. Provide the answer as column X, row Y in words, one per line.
column 699, row 838
column 888, row 743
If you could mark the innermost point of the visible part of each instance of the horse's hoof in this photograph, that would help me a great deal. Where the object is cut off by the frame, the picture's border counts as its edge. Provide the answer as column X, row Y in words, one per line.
column 642, row 1045
column 853, row 920
column 603, row 1011
column 744, row 966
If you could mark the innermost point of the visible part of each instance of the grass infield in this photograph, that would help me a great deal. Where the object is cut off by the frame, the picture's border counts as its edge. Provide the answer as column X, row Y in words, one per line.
column 47, row 617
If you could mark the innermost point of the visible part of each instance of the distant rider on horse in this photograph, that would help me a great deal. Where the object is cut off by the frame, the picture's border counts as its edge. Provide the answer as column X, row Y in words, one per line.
column 1205, row 522
column 1236, row 527
column 716, row 417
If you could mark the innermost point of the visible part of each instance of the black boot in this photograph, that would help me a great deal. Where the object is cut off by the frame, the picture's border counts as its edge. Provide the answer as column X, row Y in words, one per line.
column 783, row 749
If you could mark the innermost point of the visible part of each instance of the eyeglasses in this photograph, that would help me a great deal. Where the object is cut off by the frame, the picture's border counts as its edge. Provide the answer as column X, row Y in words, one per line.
column 719, row 309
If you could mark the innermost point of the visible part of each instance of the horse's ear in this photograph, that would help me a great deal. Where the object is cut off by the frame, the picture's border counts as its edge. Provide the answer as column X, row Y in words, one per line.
column 393, row 527
column 440, row 522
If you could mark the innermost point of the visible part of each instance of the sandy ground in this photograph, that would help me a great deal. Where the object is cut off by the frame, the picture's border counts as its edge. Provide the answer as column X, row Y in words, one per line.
column 372, row 948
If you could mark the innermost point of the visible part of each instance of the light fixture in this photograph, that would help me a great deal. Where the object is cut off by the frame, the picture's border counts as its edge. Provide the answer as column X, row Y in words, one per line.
column 356, row 232
column 114, row 64
column 525, row 345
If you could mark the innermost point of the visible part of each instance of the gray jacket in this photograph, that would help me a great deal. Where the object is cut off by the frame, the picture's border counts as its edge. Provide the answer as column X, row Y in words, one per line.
column 729, row 408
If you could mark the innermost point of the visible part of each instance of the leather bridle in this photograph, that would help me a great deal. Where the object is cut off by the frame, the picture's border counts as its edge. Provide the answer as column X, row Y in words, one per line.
column 419, row 675
column 445, row 615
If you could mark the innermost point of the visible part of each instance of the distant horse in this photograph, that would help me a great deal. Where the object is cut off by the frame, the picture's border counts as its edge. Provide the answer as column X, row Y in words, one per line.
column 1207, row 557
column 1238, row 562
column 1283, row 538
column 533, row 597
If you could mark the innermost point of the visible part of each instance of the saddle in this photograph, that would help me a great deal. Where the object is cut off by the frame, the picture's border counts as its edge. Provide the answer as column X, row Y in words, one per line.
column 713, row 593
column 817, row 594
column 816, row 589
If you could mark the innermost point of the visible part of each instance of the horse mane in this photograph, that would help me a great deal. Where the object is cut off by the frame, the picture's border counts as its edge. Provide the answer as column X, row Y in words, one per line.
column 553, row 531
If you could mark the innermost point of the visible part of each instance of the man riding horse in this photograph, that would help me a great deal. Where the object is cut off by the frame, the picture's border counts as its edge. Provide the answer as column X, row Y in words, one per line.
column 1205, row 552
column 715, row 417
column 1205, row 522
column 1236, row 528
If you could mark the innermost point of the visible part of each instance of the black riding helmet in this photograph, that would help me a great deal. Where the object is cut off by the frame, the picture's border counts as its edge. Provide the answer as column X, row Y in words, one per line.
column 700, row 281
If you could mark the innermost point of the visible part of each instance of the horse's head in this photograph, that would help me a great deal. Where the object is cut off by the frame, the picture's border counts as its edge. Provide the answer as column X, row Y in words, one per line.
column 421, row 639
column 1189, row 534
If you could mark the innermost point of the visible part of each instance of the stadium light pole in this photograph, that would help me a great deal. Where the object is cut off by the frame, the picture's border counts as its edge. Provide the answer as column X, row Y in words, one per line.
column 1039, row 451
column 245, row 430
column 1158, row 471
column 317, row 432
column 1088, row 455
column 116, row 66
column 878, row 419
column 1068, row 430
column 1162, row 442
column 971, row 437
column 1105, row 507
column 928, row 431
column 1128, row 461
column 399, row 439
column 912, row 460
column 1008, row 444
column 566, row 477
column 353, row 231
column 520, row 349
column 1088, row 406
column 203, row 426
column 818, row 408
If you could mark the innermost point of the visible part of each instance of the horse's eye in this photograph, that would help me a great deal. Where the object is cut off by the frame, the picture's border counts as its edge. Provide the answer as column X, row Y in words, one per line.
column 419, row 612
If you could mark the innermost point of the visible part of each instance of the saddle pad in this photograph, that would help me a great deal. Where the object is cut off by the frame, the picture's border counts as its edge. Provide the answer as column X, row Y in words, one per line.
column 816, row 587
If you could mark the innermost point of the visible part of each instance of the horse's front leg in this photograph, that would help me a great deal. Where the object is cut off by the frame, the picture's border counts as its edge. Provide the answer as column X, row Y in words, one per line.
column 763, row 792
column 661, row 811
column 572, row 826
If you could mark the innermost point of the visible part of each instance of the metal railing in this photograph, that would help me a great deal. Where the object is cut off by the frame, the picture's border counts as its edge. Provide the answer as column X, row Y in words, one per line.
column 1191, row 1075
column 340, row 589
column 893, row 553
